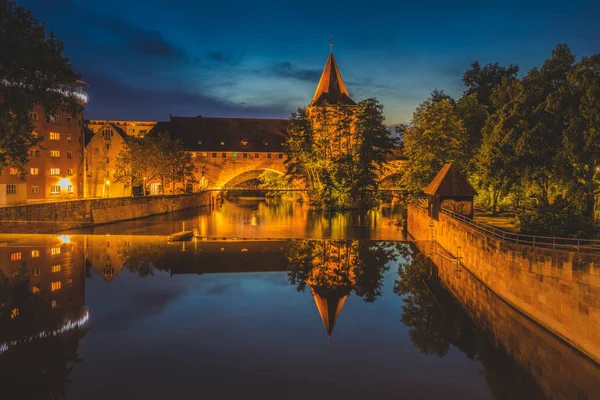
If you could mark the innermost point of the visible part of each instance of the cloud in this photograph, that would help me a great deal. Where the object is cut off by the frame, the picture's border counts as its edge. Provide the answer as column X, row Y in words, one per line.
column 289, row 70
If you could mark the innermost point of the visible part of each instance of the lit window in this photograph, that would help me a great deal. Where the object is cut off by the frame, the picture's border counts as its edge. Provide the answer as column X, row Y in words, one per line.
column 12, row 171
column 70, row 171
column 222, row 143
column 55, row 302
column 70, row 189
column 54, row 136
column 34, row 116
column 131, row 130
column 69, row 281
column 11, row 189
column 69, row 154
column 266, row 143
column 16, row 256
column 55, row 189
column 14, row 313
column 54, row 118
column 35, row 289
column 55, row 250
column 193, row 154
column 56, row 286
column 54, row 171
column 204, row 155
column 35, row 272
column 69, row 137
column 54, row 153
column 34, row 171
column 35, row 253
column 233, row 155
column 244, row 143
column 56, row 268
column 35, row 189
column 69, row 121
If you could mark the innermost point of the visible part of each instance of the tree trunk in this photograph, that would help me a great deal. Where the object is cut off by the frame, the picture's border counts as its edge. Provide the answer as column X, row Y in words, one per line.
column 495, row 195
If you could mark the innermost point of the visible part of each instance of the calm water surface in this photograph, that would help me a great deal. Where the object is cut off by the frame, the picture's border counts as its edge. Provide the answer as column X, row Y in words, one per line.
column 276, row 302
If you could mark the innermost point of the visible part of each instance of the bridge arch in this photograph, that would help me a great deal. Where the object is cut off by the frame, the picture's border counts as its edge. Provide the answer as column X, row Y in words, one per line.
column 247, row 176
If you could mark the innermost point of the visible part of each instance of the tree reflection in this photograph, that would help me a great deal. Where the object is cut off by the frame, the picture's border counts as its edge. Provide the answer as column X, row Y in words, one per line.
column 31, row 365
column 437, row 321
column 144, row 258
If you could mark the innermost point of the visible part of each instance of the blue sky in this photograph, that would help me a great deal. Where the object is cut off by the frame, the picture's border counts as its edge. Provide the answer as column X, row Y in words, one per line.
column 145, row 59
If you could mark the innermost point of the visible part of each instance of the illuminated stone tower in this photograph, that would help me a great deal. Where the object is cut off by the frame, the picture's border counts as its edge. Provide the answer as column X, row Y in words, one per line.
column 332, row 114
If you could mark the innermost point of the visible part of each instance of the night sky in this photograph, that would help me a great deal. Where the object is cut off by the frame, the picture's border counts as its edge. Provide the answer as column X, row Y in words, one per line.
column 145, row 59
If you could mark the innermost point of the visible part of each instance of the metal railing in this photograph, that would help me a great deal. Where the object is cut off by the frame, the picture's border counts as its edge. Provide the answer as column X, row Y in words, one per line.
column 549, row 242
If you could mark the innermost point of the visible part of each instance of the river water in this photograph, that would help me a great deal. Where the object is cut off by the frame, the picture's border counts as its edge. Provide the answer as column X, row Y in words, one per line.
column 273, row 301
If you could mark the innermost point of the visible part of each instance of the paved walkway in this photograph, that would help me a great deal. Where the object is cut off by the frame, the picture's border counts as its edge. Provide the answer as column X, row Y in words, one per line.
column 504, row 222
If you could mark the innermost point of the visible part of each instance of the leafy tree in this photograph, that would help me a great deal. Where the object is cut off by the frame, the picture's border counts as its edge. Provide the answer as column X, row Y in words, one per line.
column 32, row 69
column 436, row 136
column 482, row 81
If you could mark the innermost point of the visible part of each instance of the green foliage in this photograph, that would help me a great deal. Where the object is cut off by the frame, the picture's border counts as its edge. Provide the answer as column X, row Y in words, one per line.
column 557, row 221
column 31, row 68
column 436, row 136
column 336, row 152
column 154, row 157
column 275, row 180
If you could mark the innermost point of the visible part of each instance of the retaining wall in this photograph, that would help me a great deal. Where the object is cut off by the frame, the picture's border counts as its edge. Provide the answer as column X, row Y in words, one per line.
column 52, row 217
column 558, row 289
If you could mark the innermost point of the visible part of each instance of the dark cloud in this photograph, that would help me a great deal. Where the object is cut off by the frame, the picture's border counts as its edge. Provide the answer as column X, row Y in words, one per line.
column 144, row 42
column 112, row 99
column 289, row 70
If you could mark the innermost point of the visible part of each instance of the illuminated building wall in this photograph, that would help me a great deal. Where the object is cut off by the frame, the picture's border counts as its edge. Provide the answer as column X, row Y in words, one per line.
column 131, row 128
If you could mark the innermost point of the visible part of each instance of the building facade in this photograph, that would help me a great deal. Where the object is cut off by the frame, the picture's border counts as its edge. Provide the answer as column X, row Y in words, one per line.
column 55, row 169
column 131, row 128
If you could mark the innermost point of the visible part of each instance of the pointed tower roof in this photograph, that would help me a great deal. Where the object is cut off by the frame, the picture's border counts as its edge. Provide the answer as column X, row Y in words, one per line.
column 331, row 88
column 449, row 182
column 329, row 309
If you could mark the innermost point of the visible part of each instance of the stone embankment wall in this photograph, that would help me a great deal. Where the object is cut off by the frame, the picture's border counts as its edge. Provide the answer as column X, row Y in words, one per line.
column 558, row 289
column 52, row 217
column 559, row 370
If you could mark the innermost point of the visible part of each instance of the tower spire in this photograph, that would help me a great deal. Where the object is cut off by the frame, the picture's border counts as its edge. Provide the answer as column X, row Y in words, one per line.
column 331, row 88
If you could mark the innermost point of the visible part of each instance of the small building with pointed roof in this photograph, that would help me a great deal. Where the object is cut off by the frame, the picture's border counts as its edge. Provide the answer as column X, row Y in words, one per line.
column 450, row 190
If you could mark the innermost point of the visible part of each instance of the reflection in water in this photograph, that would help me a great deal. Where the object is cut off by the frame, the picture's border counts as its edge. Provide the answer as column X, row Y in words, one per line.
column 210, row 307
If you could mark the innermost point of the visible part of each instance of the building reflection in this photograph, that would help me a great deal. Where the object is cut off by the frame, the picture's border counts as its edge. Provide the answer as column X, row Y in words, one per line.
column 445, row 306
column 42, row 314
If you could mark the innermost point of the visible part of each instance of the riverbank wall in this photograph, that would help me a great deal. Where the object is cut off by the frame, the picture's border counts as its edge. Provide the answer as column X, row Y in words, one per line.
column 558, row 289
column 54, row 217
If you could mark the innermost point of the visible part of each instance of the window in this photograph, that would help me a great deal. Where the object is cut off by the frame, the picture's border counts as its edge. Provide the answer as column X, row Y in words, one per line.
column 35, row 153
column 108, row 160
column 269, row 155
column 266, row 143
column 69, row 281
column 69, row 121
column 244, row 143
column 11, row 189
column 54, row 153
column 193, row 154
column 35, row 253
column 69, row 154
column 55, row 250
column 16, row 256
column 54, row 171
column 35, row 190
column 107, row 133
column 222, row 143
column 109, row 271
column 79, row 122
column 34, row 134
column 107, row 146
column 245, row 155
column 255, row 155
column 12, row 171
column 55, row 189
column 54, row 136
column 33, row 116
column 56, row 268
column 55, row 302
column 234, row 155
column 70, row 171
column 35, row 289
column 131, row 130
column 56, row 286
column 54, row 118
column 280, row 155
column 69, row 137
column 35, row 272
column 34, row 171
column 204, row 155
column 70, row 189
column 223, row 155
column 214, row 155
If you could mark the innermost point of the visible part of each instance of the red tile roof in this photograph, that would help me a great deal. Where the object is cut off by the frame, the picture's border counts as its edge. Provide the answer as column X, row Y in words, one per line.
column 331, row 88
column 450, row 182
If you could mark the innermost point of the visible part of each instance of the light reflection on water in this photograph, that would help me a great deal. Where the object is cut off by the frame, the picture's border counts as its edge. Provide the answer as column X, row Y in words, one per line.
column 233, row 317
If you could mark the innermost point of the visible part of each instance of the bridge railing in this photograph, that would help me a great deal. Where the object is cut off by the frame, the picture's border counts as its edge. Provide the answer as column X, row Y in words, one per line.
column 550, row 242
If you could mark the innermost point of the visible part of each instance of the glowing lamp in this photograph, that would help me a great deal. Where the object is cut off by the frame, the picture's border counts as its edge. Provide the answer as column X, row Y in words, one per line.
column 64, row 182
column 108, row 182
column 65, row 238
